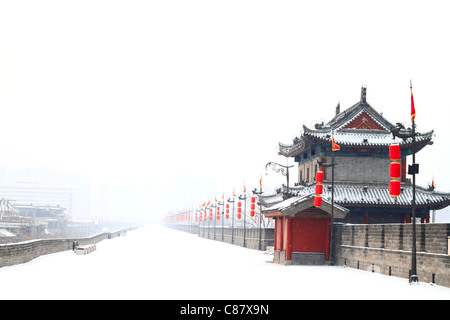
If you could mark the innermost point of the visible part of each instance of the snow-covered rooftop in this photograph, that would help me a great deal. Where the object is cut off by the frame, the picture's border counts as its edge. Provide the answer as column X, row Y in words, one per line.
column 359, row 125
column 370, row 194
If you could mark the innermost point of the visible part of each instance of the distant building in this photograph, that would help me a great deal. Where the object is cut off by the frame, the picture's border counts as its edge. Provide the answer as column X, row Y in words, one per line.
column 362, row 170
column 36, row 194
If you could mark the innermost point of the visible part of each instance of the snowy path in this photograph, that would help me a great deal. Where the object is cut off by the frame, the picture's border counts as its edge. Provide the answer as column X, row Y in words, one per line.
column 159, row 263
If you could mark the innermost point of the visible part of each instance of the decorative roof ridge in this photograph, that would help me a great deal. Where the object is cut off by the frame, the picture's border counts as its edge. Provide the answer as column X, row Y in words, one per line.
column 362, row 184
column 344, row 113
column 363, row 131
column 350, row 114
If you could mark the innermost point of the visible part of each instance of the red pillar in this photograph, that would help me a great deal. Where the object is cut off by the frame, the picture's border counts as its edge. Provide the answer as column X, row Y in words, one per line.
column 281, row 233
column 275, row 236
column 288, row 238
column 403, row 178
column 327, row 240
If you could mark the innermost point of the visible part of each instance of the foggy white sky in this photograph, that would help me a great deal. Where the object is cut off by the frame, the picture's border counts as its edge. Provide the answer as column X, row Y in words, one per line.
column 182, row 100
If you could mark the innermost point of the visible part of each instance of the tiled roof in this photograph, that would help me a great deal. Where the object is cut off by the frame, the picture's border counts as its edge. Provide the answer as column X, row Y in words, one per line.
column 379, row 137
column 353, row 137
column 295, row 204
column 367, row 194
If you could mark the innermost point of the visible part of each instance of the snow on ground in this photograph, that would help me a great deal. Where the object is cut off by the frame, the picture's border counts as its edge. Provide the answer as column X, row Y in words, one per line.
column 154, row 262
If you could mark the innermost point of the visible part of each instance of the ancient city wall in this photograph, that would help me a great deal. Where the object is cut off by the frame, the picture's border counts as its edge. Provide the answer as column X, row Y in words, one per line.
column 236, row 237
column 21, row 252
column 386, row 249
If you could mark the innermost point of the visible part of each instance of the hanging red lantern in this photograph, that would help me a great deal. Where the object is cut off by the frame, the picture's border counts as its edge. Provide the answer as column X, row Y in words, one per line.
column 394, row 152
column 227, row 216
column 394, row 188
column 317, row 201
column 319, row 176
column 395, row 170
column 252, row 206
column 319, row 188
column 252, row 213
column 239, row 215
column 239, row 204
column 239, row 209
column 253, row 199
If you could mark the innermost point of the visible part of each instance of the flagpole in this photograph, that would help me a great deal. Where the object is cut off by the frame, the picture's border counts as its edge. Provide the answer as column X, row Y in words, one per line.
column 232, row 219
column 260, row 231
column 331, row 262
column 412, row 170
column 414, row 279
column 245, row 211
column 223, row 218
column 334, row 147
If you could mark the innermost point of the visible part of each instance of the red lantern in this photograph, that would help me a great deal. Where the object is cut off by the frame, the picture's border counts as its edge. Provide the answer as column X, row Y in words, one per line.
column 227, row 216
column 394, row 188
column 317, row 201
column 239, row 210
column 252, row 213
column 394, row 152
column 253, row 200
column 319, row 176
column 319, row 189
column 239, row 215
column 239, row 204
column 395, row 170
column 252, row 206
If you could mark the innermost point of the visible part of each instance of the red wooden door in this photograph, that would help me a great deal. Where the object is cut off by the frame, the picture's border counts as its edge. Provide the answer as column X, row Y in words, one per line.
column 310, row 235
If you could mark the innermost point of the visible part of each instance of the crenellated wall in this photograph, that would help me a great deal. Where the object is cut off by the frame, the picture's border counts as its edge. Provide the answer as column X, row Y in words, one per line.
column 386, row 249
column 21, row 252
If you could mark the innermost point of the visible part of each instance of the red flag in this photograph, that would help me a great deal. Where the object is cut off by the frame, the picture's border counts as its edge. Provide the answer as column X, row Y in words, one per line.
column 260, row 181
column 234, row 194
column 413, row 110
column 245, row 190
column 334, row 146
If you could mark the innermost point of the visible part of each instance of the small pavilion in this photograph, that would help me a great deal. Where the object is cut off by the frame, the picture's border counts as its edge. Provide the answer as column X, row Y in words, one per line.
column 302, row 231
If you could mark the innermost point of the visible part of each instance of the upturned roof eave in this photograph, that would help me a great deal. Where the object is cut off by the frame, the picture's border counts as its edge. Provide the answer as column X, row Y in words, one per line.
column 377, row 195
